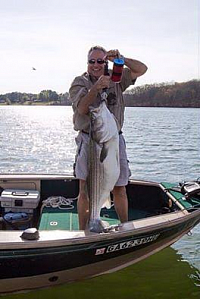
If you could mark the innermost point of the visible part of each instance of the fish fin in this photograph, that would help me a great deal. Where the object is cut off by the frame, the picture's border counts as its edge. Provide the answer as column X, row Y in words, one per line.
column 104, row 153
column 107, row 203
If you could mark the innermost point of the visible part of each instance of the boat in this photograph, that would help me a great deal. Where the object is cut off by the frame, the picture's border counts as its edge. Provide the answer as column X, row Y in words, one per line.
column 41, row 244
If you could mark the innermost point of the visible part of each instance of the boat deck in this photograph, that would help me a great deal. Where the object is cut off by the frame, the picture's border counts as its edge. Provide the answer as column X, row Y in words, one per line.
column 145, row 199
column 67, row 219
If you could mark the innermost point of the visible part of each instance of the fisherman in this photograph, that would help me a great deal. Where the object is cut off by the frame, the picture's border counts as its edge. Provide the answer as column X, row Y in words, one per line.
column 85, row 91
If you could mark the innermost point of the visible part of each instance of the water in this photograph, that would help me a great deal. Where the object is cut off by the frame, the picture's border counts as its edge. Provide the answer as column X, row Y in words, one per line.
column 163, row 144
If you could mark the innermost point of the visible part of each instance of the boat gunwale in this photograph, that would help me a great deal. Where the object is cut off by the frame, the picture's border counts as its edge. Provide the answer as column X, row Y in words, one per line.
column 28, row 176
column 88, row 237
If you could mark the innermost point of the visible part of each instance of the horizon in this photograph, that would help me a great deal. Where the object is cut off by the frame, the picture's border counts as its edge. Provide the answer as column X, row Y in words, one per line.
column 128, row 89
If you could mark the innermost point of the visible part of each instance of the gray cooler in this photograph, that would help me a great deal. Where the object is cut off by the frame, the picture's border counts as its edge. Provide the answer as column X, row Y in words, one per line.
column 13, row 200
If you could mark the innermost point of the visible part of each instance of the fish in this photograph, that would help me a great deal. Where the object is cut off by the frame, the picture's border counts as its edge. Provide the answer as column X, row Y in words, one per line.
column 103, row 163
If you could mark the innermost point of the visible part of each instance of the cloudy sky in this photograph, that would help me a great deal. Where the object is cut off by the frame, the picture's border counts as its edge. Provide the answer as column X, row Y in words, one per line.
column 54, row 36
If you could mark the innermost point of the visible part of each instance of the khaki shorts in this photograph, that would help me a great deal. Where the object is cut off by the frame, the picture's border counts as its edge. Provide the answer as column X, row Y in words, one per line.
column 81, row 166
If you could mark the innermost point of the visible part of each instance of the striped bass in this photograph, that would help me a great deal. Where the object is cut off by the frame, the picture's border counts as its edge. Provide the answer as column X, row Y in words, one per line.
column 103, row 162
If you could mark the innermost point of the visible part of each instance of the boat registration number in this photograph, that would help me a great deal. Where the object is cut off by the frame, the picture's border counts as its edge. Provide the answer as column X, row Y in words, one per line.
column 127, row 244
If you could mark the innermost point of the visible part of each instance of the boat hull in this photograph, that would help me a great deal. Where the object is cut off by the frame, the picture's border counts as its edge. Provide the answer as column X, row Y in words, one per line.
column 65, row 255
column 45, row 267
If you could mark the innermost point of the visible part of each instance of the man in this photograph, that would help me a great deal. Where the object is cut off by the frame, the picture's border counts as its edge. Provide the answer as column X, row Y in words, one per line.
column 85, row 91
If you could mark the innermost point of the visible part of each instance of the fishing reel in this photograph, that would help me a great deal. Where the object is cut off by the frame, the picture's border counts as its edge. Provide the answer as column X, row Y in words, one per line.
column 118, row 64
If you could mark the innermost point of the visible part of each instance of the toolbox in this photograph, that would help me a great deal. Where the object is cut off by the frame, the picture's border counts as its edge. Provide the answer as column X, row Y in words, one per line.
column 13, row 200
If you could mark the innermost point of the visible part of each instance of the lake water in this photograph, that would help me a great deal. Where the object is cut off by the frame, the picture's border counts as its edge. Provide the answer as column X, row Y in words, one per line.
column 163, row 144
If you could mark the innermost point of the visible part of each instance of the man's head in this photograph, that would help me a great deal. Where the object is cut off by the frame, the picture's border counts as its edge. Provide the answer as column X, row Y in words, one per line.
column 96, row 61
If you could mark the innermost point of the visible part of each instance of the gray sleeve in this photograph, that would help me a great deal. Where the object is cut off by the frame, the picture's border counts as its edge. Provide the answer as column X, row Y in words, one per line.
column 77, row 91
column 126, row 79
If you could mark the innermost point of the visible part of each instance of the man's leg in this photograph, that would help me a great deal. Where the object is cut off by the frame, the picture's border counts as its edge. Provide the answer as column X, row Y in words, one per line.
column 83, row 205
column 121, row 202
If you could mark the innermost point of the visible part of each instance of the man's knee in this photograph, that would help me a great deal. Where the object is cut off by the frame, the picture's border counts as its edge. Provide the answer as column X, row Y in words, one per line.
column 119, row 191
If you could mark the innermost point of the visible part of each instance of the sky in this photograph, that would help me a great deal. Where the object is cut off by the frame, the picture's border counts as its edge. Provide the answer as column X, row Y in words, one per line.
column 54, row 36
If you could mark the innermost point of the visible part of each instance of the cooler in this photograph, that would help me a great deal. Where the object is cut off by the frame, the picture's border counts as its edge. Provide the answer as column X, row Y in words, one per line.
column 13, row 200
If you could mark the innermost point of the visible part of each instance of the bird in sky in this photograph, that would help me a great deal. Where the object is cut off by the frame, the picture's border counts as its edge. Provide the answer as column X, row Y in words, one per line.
column 34, row 69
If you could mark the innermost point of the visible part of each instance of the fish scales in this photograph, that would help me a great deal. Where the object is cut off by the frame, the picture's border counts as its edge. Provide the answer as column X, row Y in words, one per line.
column 95, row 175
column 103, row 162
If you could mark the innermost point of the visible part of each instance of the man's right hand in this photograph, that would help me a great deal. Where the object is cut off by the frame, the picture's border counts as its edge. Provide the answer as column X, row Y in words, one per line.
column 102, row 82
column 89, row 98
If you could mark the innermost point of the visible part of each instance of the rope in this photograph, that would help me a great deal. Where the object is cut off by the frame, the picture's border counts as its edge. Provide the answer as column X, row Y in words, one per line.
column 59, row 202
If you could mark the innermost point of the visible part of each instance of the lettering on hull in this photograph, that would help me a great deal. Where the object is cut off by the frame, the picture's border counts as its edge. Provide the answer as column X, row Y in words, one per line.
column 126, row 245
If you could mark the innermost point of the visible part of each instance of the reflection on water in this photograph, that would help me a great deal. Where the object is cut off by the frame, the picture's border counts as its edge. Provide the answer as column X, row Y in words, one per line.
column 189, row 247
column 36, row 140
column 163, row 275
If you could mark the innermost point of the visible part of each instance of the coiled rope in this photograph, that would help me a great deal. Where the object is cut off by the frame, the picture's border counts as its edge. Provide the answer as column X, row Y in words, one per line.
column 59, row 202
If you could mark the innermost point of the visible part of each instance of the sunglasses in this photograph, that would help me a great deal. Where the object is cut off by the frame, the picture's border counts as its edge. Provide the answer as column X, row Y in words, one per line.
column 99, row 61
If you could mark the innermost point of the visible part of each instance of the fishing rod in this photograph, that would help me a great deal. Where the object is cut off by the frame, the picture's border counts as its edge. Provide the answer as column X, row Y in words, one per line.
column 104, row 93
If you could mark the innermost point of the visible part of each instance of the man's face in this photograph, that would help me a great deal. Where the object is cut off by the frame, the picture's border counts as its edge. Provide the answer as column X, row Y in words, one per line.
column 96, row 63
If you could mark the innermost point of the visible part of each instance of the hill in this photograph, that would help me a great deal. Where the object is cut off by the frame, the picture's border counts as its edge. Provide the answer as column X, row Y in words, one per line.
column 186, row 94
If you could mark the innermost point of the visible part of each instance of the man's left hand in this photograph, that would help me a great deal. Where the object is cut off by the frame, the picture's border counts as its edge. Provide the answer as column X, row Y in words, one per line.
column 112, row 54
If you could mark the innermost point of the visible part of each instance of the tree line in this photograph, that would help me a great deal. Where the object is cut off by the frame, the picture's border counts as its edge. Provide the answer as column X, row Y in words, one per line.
column 185, row 94
column 45, row 97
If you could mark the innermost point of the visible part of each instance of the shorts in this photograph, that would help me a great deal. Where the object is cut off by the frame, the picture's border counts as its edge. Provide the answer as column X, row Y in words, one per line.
column 81, row 159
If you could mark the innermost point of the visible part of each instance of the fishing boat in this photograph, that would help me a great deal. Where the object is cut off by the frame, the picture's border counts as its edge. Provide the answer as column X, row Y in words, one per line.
column 41, row 244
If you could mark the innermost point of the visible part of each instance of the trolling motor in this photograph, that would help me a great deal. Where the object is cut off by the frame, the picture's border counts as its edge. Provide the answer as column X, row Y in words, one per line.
column 190, row 189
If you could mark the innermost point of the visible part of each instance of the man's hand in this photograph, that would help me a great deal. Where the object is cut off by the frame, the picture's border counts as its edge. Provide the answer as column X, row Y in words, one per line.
column 112, row 54
column 102, row 82
column 137, row 67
